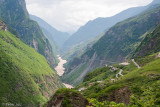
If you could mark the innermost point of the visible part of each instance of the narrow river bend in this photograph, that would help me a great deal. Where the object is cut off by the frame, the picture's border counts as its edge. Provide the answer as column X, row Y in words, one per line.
column 60, row 69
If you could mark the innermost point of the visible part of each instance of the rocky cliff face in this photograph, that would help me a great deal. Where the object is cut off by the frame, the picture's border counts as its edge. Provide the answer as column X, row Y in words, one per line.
column 67, row 98
column 15, row 14
column 150, row 45
column 3, row 26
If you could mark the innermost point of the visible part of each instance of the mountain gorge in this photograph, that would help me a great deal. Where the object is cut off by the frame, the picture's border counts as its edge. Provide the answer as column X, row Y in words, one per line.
column 111, row 62
column 118, row 43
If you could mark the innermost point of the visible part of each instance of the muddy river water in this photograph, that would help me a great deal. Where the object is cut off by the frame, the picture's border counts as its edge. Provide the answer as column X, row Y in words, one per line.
column 60, row 69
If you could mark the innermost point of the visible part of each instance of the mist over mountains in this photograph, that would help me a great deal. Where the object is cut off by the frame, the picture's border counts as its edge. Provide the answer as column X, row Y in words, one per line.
column 51, row 33
column 93, row 28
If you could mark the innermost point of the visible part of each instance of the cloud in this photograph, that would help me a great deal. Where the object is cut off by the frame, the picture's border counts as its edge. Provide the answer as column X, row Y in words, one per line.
column 69, row 15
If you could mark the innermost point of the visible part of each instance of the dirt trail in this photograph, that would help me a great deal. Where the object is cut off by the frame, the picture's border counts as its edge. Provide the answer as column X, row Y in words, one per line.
column 120, row 73
column 68, row 86
column 135, row 63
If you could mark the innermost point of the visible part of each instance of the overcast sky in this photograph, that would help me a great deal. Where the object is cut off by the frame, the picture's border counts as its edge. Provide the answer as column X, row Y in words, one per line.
column 69, row 15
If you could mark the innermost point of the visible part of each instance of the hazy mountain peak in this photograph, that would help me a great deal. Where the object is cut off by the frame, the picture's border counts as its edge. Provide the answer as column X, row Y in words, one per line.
column 155, row 2
column 50, row 32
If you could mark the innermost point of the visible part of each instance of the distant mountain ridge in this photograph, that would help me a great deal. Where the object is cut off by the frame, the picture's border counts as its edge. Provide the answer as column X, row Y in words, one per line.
column 93, row 28
column 57, row 36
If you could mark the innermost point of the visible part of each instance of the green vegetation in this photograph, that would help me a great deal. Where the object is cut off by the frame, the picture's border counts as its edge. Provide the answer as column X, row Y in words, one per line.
column 67, row 94
column 99, row 74
column 26, row 78
column 95, row 103
column 66, row 91
column 95, row 73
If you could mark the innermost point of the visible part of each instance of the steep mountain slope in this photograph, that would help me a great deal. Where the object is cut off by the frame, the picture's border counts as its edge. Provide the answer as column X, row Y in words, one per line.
column 93, row 28
column 117, row 43
column 151, row 44
column 26, row 78
column 79, row 49
column 51, row 33
column 14, row 14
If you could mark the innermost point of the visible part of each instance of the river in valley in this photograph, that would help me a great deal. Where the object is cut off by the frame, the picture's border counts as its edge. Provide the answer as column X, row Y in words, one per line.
column 60, row 69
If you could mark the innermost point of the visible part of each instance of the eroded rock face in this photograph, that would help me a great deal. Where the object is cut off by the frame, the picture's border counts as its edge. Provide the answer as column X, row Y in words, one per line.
column 158, row 55
column 121, row 95
column 67, row 99
column 3, row 26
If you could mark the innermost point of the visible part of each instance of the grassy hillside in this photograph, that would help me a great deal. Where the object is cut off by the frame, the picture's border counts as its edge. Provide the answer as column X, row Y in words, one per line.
column 15, row 15
column 26, row 77
column 141, row 86
column 118, row 43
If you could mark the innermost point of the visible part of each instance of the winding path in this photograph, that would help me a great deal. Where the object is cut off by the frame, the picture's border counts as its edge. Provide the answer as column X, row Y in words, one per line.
column 135, row 63
column 120, row 73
